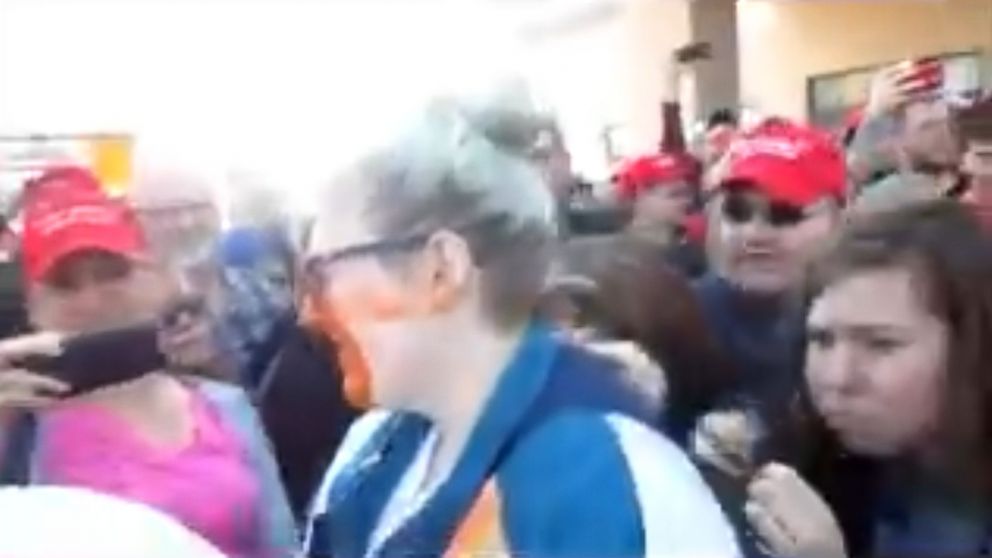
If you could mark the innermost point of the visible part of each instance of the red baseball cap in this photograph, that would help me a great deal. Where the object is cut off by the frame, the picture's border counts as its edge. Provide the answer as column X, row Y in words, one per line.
column 637, row 175
column 788, row 163
column 66, row 211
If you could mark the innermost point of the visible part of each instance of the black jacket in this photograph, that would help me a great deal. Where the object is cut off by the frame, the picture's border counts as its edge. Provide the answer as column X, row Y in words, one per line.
column 304, row 411
column 763, row 342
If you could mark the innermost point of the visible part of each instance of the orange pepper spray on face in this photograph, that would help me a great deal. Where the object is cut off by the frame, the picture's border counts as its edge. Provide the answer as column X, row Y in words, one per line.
column 331, row 316
column 318, row 315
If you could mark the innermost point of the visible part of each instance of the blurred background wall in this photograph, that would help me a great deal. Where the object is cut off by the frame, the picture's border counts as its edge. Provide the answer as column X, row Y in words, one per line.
column 288, row 89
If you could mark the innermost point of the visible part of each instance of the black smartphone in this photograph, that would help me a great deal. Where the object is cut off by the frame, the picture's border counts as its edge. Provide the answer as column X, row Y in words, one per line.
column 693, row 52
column 91, row 361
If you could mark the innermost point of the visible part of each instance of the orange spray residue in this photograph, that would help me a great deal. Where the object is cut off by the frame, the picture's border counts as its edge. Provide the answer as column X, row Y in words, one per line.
column 319, row 316
column 333, row 317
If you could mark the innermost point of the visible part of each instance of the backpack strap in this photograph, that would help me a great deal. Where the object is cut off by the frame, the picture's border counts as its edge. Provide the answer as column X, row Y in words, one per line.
column 264, row 365
column 15, row 458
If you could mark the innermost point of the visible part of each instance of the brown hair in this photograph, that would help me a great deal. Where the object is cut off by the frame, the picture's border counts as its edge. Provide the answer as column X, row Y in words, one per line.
column 640, row 298
column 944, row 246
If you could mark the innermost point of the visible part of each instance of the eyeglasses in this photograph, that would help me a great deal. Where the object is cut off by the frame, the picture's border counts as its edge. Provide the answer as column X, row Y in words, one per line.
column 740, row 209
column 317, row 269
column 316, row 272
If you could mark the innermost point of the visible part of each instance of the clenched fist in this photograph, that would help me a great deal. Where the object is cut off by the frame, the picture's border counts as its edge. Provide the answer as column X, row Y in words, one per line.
column 791, row 518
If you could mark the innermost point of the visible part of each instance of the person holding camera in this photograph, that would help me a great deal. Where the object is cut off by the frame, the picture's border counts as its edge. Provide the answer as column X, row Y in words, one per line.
column 91, row 402
column 907, row 128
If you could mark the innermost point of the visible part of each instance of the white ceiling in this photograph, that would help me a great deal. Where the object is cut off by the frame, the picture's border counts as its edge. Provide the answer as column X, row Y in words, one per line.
column 534, row 18
column 270, row 82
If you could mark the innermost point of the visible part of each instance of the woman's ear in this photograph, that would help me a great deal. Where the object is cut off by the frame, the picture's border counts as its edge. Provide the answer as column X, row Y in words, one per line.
column 446, row 270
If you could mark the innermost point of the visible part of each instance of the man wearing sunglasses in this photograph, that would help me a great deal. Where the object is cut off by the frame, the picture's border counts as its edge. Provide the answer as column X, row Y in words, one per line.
column 776, row 204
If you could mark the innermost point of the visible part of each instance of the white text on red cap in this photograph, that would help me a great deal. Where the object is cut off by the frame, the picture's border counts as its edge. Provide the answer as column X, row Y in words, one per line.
column 783, row 148
column 76, row 215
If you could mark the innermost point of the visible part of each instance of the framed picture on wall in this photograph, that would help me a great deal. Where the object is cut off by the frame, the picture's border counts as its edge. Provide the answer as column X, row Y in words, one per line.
column 831, row 97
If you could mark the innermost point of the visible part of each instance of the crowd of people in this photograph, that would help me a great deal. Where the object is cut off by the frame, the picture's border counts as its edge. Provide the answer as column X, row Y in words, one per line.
column 770, row 343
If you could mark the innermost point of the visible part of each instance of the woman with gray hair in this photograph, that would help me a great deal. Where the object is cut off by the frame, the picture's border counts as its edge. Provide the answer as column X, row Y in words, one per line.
column 490, row 434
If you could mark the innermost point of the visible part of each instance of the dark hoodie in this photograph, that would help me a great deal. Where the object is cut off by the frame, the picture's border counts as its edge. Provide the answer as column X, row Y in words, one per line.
column 763, row 340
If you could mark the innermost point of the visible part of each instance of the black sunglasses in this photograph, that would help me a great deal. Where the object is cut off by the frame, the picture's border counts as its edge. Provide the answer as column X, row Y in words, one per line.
column 738, row 208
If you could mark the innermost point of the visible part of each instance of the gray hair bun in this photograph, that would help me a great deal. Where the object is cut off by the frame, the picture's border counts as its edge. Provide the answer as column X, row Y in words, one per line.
column 506, row 115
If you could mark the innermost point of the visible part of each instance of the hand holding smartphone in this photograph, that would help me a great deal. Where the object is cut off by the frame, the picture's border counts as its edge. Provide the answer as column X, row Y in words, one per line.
column 24, row 389
column 922, row 76
column 90, row 361
column 895, row 86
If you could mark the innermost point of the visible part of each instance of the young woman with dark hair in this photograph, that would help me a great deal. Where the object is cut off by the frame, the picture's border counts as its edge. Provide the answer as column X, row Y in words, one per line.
column 897, row 367
column 633, row 296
